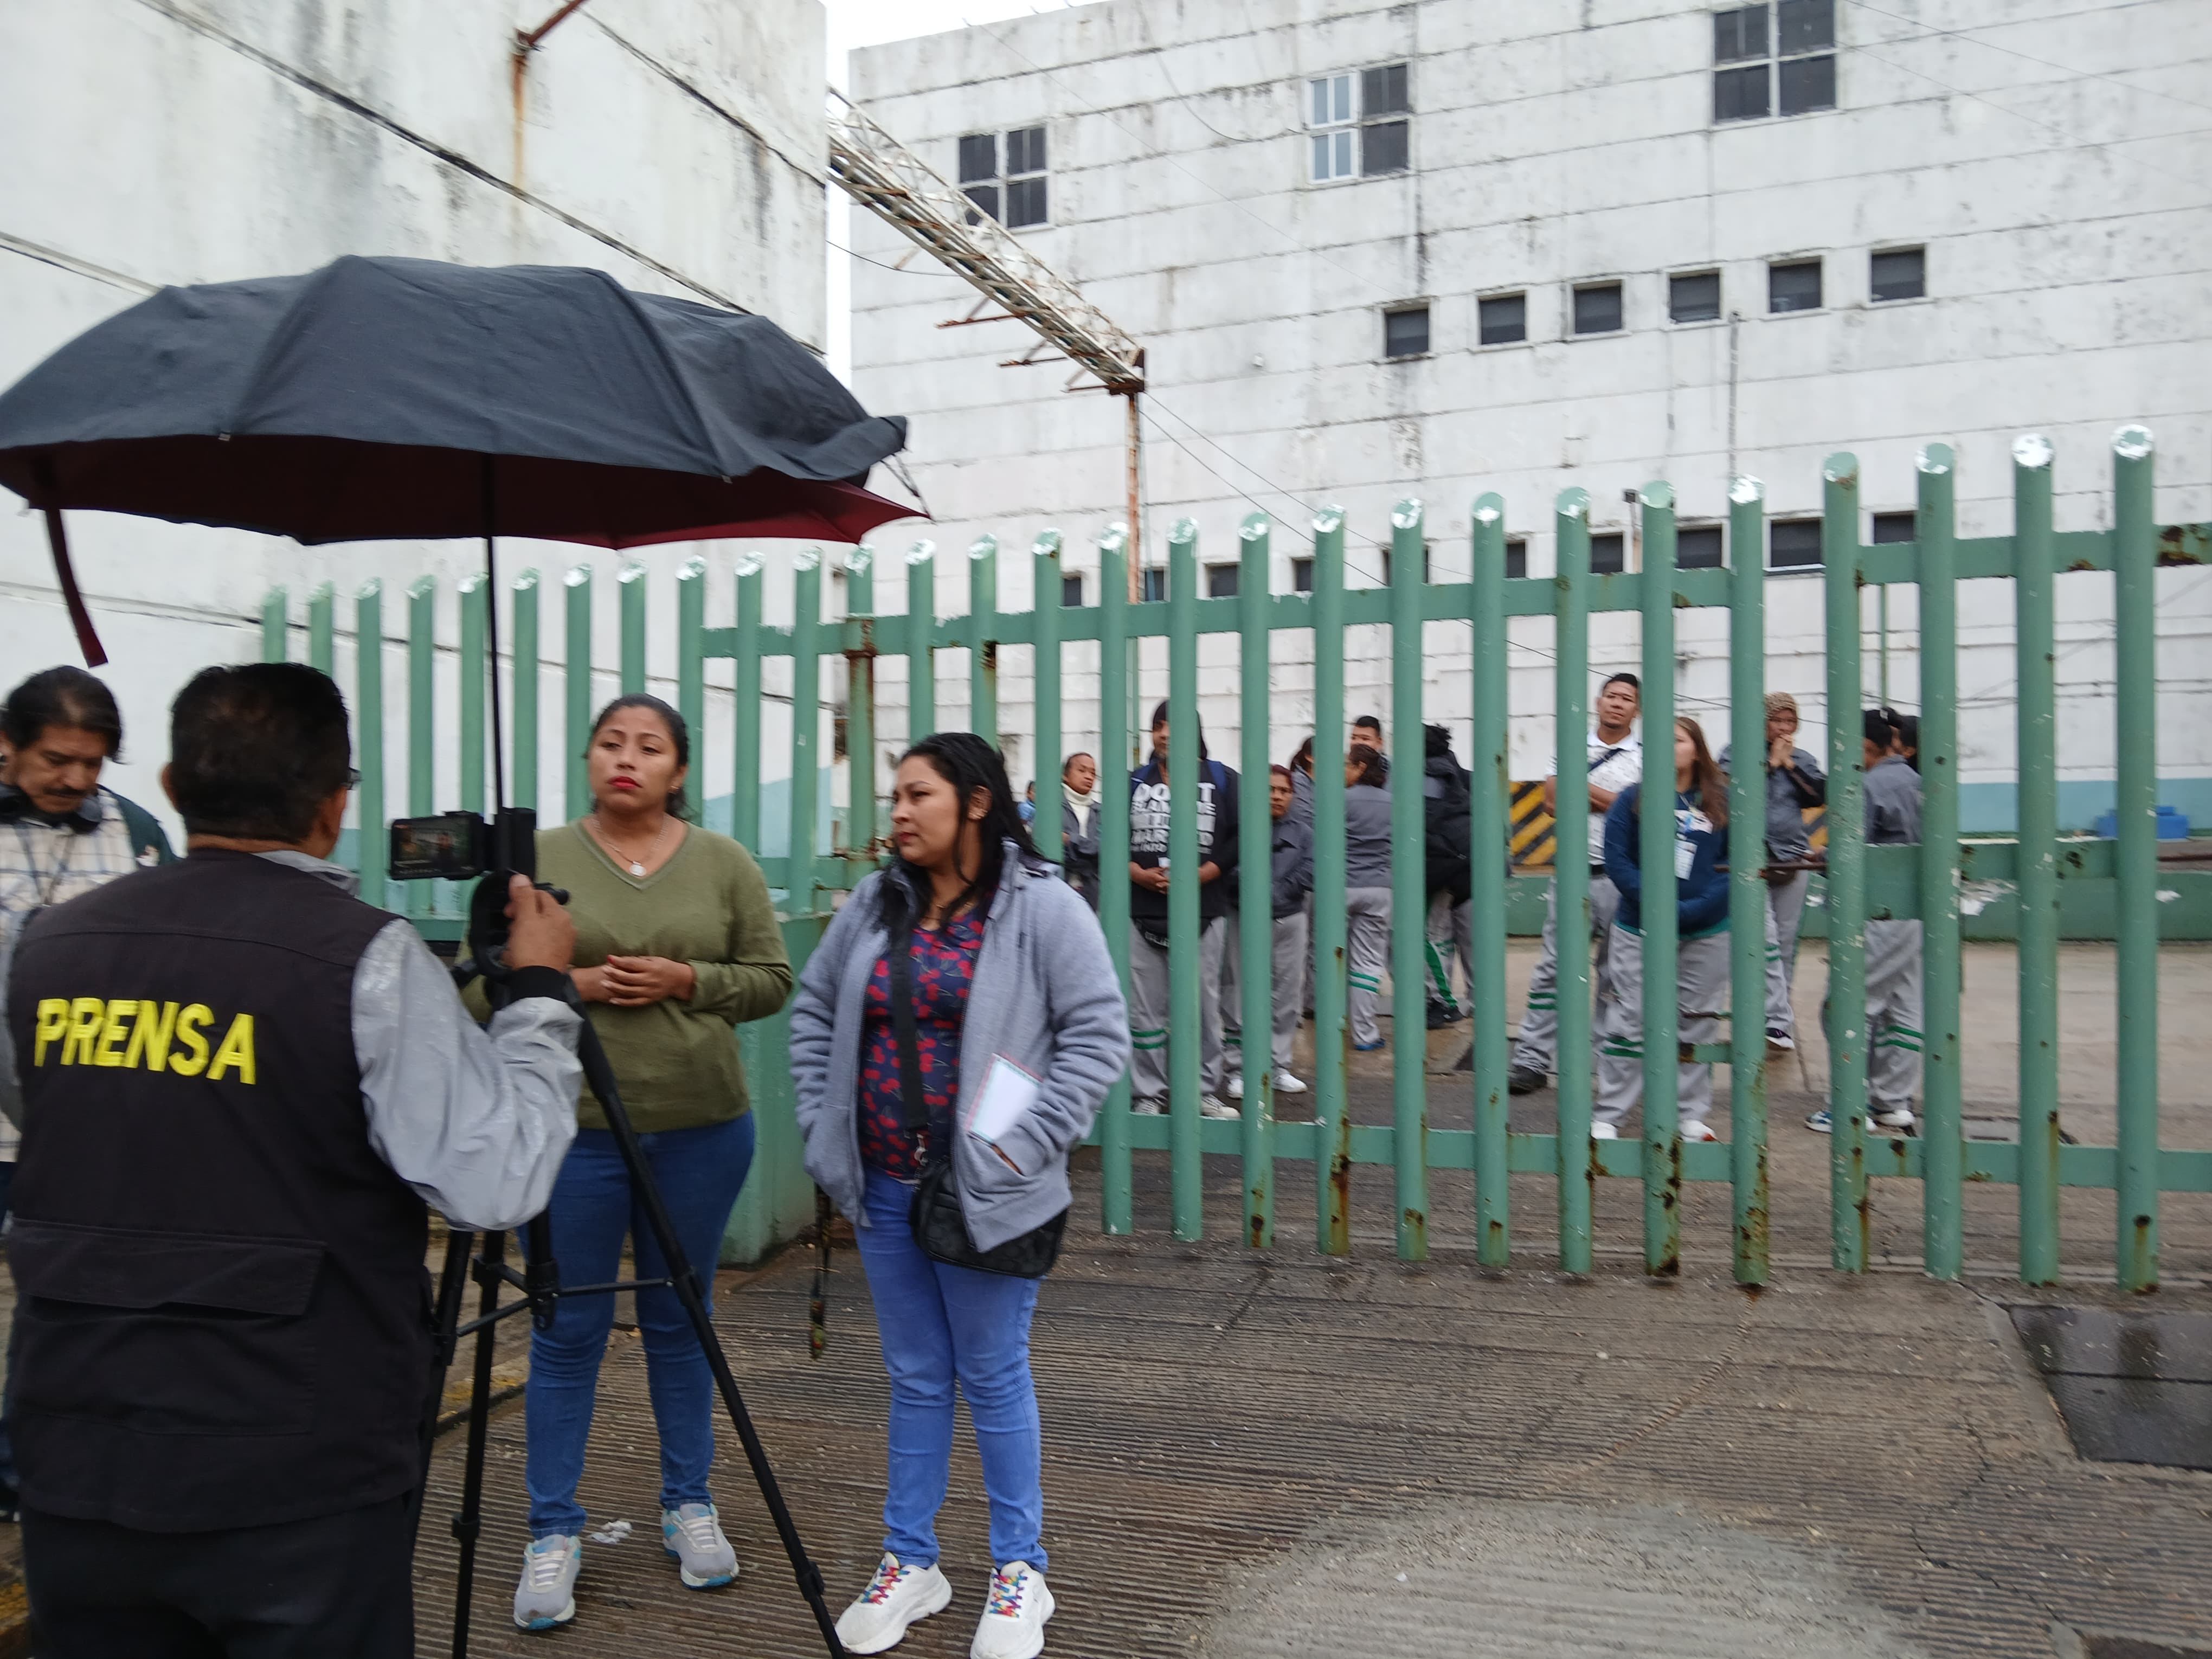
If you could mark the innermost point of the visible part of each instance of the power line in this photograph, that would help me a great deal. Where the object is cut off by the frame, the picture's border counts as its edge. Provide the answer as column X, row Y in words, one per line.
column 1971, row 39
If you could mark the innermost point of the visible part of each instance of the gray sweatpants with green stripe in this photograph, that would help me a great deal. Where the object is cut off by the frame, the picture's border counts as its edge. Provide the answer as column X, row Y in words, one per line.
column 1702, row 972
column 1152, row 1010
column 1367, row 956
column 1893, row 1029
column 1538, row 1042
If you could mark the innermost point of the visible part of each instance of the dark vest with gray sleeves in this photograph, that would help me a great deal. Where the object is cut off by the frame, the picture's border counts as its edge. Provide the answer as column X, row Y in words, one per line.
column 225, row 1316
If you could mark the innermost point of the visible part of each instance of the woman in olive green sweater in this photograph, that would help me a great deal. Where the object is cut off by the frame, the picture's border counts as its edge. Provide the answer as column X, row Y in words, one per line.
column 676, row 943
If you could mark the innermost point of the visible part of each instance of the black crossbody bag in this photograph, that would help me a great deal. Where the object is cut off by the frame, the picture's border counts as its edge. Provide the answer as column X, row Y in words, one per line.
column 935, row 1216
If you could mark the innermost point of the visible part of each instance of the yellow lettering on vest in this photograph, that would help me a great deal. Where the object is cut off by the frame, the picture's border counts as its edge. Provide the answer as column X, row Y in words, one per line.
column 237, row 1051
column 193, row 1058
column 53, row 1022
column 86, row 1016
column 149, row 1035
column 107, row 1051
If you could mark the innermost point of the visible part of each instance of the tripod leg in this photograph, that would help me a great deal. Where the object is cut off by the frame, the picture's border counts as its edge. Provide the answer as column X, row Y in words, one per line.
column 470, row 1522
column 452, row 1282
column 686, row 1283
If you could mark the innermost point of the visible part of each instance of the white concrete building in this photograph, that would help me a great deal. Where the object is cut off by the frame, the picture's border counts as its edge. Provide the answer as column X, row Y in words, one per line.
column 1380, row 250
column 675, row 143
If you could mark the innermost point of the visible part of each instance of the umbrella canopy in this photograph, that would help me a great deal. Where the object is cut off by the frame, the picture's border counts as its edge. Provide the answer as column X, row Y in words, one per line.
column 385, row 398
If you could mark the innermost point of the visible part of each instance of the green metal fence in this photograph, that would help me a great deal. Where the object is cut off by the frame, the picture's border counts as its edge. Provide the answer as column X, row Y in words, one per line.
column 1863, row 883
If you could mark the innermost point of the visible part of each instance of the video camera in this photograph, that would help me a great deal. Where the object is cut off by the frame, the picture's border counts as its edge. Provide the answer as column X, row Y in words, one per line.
column 463, row 847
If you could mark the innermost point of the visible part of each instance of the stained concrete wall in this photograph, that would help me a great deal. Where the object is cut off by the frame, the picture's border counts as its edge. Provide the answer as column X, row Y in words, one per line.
column 2043, row 155
column 675, row 143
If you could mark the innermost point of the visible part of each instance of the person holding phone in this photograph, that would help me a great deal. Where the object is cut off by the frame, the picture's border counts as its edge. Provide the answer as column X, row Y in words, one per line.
column 961, row 1012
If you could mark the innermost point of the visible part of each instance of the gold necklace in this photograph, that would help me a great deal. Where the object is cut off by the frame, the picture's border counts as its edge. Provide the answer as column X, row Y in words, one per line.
column 636, row 865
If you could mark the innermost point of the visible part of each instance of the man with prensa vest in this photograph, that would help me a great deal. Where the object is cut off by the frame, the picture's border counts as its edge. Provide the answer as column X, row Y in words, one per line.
column 239, row 1089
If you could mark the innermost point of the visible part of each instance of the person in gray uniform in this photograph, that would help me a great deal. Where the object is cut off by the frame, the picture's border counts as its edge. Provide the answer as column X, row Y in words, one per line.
column 1614, row 760
column 1290, row 872
column 1892, row 948
column 1793, row 782
column 1367, row 891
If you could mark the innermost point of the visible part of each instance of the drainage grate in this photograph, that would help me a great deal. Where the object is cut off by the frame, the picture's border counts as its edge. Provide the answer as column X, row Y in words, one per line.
column 2134, row 1388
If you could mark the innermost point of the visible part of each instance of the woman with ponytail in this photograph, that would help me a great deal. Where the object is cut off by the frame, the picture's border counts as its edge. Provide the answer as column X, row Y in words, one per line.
column 955, row 1032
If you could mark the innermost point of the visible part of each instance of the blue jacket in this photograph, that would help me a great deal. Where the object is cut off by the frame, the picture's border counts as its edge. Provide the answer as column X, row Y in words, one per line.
column 1701, row 898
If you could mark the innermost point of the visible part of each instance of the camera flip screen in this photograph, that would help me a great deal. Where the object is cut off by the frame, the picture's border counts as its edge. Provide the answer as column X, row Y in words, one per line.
column 450, row 846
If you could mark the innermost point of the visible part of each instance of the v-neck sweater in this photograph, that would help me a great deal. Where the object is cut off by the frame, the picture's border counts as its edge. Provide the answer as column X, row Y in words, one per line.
column 707, row 906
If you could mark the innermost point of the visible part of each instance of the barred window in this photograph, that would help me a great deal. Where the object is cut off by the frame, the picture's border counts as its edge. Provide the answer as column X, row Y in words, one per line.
column 1778, row 58
column 1016, row 197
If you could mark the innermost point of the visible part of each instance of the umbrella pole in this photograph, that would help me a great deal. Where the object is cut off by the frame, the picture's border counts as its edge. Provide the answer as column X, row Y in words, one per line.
column 491, row 632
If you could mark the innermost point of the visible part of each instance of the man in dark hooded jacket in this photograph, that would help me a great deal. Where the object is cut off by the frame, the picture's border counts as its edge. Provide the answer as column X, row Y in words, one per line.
column 1444, row 807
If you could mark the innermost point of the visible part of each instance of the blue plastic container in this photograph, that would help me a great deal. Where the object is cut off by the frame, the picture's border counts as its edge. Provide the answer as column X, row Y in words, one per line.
column 2172, row 825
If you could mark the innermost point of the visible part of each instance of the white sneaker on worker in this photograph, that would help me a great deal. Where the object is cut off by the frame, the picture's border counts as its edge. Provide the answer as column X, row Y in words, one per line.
column 1236, row 1086
column 897, row 1597
column 1288, row 1082
column 1014, row 1612
column 692, row 1534
column 1150, row 1105
column 1698, row 1129
column 1604, row 1131
column 547, row 1594
column 1900, row 1121
column 1215, row 1106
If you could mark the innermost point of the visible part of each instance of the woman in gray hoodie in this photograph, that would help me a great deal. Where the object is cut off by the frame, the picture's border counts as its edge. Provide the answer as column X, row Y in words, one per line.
column 1367, row 889
column 1010, row 983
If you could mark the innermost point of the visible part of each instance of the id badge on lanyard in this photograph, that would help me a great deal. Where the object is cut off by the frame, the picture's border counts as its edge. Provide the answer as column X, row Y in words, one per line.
column 1688, row 820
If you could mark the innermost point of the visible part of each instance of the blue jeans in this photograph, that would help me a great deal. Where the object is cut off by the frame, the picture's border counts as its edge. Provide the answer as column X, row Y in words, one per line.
column 940, row 1324
column 700, row 1172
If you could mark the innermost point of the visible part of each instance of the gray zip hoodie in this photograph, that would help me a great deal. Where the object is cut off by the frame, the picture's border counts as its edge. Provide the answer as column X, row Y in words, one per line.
column 1044, row 995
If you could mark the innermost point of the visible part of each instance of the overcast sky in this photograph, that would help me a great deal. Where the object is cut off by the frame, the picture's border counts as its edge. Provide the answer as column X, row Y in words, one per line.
column 866, row 23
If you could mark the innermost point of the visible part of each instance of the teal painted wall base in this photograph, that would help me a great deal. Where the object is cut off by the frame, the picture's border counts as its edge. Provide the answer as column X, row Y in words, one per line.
column 1988, row 809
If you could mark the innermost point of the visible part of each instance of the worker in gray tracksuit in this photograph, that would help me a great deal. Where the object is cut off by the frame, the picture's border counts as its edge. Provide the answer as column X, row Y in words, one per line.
column 1616, row 760
column 1795, row 782
column 1892, row 948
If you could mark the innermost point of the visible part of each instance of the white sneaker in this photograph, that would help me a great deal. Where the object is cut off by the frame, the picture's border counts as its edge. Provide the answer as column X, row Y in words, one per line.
column 1604, row 1131
column 1897, row 1123
column 1236, row 1086
column 693, row 1535
column 1014, row 1612
column 1698, row 1129
column 547, row 1594
column 1287, row 1082
column 896, row 1598
column 1149, row 1106
column 1215, row 1106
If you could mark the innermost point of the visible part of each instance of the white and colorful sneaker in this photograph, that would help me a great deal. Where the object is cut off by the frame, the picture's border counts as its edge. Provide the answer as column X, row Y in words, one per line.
column 546, row 1597
column 897, row 1597
column 1013, row 1626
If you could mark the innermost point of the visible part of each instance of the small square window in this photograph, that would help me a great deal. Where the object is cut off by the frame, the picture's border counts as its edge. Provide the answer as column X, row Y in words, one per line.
column 1302, row 575
column 1428, row 556
column 1516, row 557
column 1900, row 273
column 1384, row 146
column 1070, row 591
column 1806, row 83
column 1025, row 151
column 1891, row 527
column 979, row 157
column 1608, row 554
column 1504, row 318
column 1804, row 25
column 1698, row 547
column 1739, row 35
column 1332, row 100
column 1695, row 297
column 1221, row 581
column 1383, row 91
column 1793, row 545
column 1154, row 587
column 1406, row 333
column 1025, row 204
column 1332, row 155
column 1597, row 308
column 1741, row 94
column 1795, row 286
column 986, row 198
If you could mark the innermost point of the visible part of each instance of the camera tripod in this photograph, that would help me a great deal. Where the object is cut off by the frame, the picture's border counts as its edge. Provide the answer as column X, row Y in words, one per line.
column 539, row 1282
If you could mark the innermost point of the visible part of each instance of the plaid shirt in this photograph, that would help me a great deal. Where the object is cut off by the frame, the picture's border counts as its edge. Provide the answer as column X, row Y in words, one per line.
column 43, row 864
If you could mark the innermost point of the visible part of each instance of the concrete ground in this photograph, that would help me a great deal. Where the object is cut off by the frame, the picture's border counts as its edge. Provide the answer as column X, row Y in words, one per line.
column 1281, row 1453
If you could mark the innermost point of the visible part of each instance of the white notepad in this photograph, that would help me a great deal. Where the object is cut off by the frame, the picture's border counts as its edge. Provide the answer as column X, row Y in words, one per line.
column 1008, row 1093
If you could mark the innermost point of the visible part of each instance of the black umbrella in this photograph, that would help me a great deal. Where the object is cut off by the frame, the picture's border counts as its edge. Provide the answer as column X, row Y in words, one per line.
column 385, row 399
